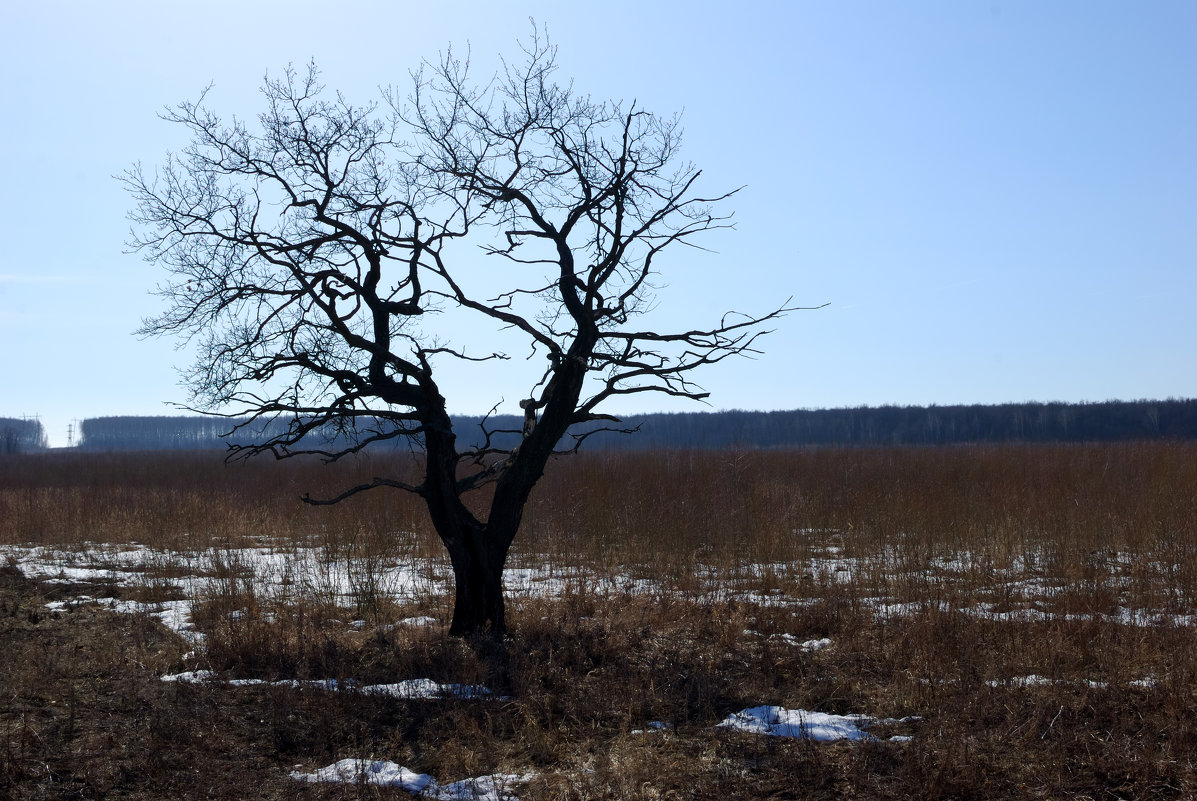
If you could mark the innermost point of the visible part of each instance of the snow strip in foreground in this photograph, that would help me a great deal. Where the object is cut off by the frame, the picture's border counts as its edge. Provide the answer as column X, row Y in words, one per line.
column 1035, row 680
column 800, row 724
column 388, row 774
column 407, row 689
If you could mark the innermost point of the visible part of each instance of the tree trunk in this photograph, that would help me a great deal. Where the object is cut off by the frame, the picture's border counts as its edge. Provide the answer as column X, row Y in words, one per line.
column 477, row 563
column 478, row 579
column 478, row 551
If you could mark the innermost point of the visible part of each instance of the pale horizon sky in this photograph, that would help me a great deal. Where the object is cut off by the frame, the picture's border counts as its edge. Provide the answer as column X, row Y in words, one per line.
column 998, row 200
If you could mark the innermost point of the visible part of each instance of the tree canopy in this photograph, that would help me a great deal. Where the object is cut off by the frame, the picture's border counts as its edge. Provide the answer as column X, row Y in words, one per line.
column 310, row 255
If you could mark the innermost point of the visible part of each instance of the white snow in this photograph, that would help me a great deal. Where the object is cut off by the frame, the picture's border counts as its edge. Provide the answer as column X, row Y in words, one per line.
column 191, row 676
column 790, row 639
column 409, row 689
column 427, row 688
column 815, row 645
column 354, row 771
column 802, row 724
column 655, row 725
column 175, row 615
column 799, row 724
column 496, row 787
column 285, row 570
column 1035, row 680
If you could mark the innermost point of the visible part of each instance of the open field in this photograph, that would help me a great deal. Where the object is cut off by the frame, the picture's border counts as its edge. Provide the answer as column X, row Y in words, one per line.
column 956, row 622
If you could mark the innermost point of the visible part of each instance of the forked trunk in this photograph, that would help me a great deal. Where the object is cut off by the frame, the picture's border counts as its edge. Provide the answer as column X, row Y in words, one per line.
column 478, row 578
column 477, row 558
column 478, row 551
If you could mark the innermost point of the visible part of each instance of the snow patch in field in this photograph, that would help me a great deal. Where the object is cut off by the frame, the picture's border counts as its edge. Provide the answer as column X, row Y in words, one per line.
column 175, row 615
column 800, row 724
column 496, row 787
column 296, row 571
column 815, row 645
column 355, row 771
column 191, row 677
column 409, row 689
column 1035, row 680
column 1140, row 618
column 805, row 645
column 427, row 688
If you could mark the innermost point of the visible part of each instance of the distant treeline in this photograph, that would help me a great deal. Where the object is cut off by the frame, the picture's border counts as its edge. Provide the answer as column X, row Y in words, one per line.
column 884, row 425
column 19, row 435
column 925, row 425
column 187, row 432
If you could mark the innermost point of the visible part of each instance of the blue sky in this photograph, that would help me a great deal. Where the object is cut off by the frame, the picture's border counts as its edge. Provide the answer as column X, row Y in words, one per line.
column 997, row 199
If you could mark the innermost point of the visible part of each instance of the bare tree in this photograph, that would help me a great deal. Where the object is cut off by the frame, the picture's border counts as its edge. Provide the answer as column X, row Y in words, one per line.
column 307, row 253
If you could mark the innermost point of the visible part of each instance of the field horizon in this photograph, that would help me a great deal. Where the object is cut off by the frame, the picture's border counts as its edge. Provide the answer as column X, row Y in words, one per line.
column 881, row 425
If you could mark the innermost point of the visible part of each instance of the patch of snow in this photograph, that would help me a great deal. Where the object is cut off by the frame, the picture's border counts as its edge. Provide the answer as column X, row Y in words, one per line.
column 497, row 787
column 279, row 569
column 410, row 689
column 815, row 645
column 328, row 685
column 360, row 771
column 800, row 724
column 1034, row 680
column 191, row 677
column 427, row 688
column 805, row 645
column 175, row 615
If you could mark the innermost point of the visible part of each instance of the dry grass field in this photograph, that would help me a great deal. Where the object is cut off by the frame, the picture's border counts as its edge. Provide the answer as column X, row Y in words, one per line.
column 992, row 621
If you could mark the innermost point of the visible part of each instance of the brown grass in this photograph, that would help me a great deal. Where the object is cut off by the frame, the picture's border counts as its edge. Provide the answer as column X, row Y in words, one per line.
column 1065, row 539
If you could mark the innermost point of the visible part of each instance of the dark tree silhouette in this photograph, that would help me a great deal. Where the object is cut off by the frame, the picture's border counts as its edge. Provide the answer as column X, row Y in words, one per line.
column 19, row 435
column 306, row 254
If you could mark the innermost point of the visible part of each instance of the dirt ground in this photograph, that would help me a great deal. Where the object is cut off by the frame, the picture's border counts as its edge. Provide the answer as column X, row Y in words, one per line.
column 84, row 713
